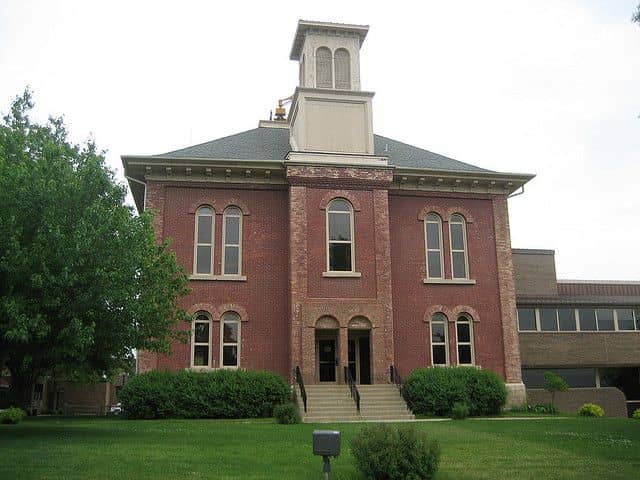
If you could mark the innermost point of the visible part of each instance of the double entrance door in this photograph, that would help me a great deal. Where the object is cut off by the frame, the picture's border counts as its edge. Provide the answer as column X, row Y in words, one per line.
column 359, row 357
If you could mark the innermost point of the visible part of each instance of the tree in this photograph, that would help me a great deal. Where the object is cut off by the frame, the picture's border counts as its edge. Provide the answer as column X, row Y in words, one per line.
column 554, row 383
column 83, row 282
column 636, row 16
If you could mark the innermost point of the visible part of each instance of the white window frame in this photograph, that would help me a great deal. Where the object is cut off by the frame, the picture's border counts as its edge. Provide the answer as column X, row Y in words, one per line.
column 444, row 321
column 210, row 245
column 465, row 246
column 331, row 73
column 193, row 339
column 230, row 344
column 352, row 242
column 225, row 244
column 576, row 316
column 467, row 320
column 428, row 249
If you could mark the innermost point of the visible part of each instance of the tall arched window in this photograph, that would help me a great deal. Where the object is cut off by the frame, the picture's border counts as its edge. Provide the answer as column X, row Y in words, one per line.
column 433, row 242
column 458, row 239
column 230, row 340
column 342, row 61
column 203, row 245
column 324, row 74
column 232, row 241
column 340, row 251
column 439, row 336
column 464, row 340
column 201, row 340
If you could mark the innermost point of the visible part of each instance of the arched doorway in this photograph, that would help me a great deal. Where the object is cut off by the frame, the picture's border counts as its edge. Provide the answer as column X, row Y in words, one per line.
column 327, row 355
column 359, row 346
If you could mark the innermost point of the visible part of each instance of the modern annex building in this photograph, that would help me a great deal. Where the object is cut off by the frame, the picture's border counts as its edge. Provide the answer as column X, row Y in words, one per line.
column 312, row 242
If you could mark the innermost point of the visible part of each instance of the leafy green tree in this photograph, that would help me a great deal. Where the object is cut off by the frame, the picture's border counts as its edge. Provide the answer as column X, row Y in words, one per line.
column 636, row 16
column 83, row 282
column 554, row 383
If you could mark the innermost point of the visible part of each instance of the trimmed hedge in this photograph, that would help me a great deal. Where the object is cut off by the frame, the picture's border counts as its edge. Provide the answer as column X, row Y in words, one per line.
column 218, row 394
column 434, row 391
column 287, row 413
column 390, row 452
column 591, row 410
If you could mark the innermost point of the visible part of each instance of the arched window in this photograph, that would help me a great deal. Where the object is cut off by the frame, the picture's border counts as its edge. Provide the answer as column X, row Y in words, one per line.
column 433, row 242
column 232, row 241
column 324, row 75
column 201, row 340
column 340, row 251
column 343, row 69
column 230, row 340
column 458, row 239
column 439, row 336
column 301, row 71
column 464, row 340
column 203, row 245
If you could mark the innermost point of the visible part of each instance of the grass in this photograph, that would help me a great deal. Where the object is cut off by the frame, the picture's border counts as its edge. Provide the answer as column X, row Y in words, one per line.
column 103, row 448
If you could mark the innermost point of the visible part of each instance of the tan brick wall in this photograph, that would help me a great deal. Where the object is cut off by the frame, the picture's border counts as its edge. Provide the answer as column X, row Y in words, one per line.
column 535, row 272
column 609, row 398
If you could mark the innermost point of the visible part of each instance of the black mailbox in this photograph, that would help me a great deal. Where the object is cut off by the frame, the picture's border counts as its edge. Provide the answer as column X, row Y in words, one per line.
column 326, row 443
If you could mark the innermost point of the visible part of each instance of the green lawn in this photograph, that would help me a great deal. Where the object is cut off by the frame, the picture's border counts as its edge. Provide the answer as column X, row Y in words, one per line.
column 49, row 448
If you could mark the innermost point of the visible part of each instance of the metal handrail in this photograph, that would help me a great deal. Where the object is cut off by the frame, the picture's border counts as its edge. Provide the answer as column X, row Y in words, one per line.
column 300, row 382
column 355, row 394
column 396, row 379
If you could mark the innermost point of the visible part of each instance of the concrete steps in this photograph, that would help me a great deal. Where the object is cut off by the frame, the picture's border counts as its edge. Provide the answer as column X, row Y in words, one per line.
column 333, row 403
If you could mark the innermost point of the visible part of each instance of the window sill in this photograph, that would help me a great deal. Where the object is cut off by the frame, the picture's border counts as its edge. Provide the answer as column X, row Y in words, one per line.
column 450, row 281
column 228, row 278
column 342, row 274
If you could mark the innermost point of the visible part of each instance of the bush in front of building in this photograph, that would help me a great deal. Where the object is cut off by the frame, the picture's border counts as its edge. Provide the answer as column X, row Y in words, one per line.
column 434, row 391
column 12, row 416
column 636, row 414
column 287, row 413
column 459, row 411
column 395, row 452
column 217, row 394
column 591, row 410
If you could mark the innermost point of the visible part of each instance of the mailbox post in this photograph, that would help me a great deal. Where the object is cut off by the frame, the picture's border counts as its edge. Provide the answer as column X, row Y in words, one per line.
column 327, row 444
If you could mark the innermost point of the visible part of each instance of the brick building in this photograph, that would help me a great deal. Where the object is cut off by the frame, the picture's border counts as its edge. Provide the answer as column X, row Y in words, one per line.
column 312, row 242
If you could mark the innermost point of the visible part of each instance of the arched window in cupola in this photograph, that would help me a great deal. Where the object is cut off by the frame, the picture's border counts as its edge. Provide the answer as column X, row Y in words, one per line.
column 324, row 74
column 343, row 69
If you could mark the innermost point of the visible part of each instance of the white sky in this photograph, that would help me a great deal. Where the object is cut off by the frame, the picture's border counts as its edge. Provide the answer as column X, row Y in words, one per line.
column 544, row 87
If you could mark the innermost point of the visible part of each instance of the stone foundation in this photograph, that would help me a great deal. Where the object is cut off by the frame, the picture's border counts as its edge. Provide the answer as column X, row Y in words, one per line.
column 517, row 395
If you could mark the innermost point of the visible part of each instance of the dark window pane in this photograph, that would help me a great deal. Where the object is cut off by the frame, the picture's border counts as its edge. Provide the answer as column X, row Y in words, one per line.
column 204, row 229
column 605, row 319
column 464, row 332
column 203, row 261
column 437, row 332
column 232, row 230
column 339, row 226
column 625, row 318
column 433, row 235
column 340, row 257
column 439, row 355
column 575, row 377
column 459, row 267
column 230, row 332
column 229, row 356
column 201, row 355
column 637, row 315
column 435, row 265
column 201, row 332
column 231, row 255
column 464, row 354
column 457, row 239
column 339, row 206
column 548, row 319
column 567, row 319
column 527, row 319
column 587, row 318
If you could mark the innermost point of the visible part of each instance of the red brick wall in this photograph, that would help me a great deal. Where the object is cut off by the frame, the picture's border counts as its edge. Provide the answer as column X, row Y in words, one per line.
column 264, row 296
column 413, row 300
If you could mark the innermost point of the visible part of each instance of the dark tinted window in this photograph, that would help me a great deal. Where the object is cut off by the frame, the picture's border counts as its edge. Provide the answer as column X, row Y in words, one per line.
column 587, row 319
column 566, row 319
column 548, row 321
column 527, row 319
column 575, row 377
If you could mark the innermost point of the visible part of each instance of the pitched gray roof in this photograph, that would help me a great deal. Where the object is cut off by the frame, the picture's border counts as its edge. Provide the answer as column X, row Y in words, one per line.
column 273, row 144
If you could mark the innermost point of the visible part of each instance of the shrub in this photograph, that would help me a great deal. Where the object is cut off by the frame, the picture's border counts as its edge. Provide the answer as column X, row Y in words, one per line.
column 636, row 414
column 12, row 415
column 545, row 408
column 591, row 410
column 217, row 394
column 386, row 452
column 459, row 411
column 434, row 391
column 554, row 383
column 287, row 413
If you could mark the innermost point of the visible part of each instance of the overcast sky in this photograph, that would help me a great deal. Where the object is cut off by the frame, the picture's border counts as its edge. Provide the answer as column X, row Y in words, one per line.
column 544, row 87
